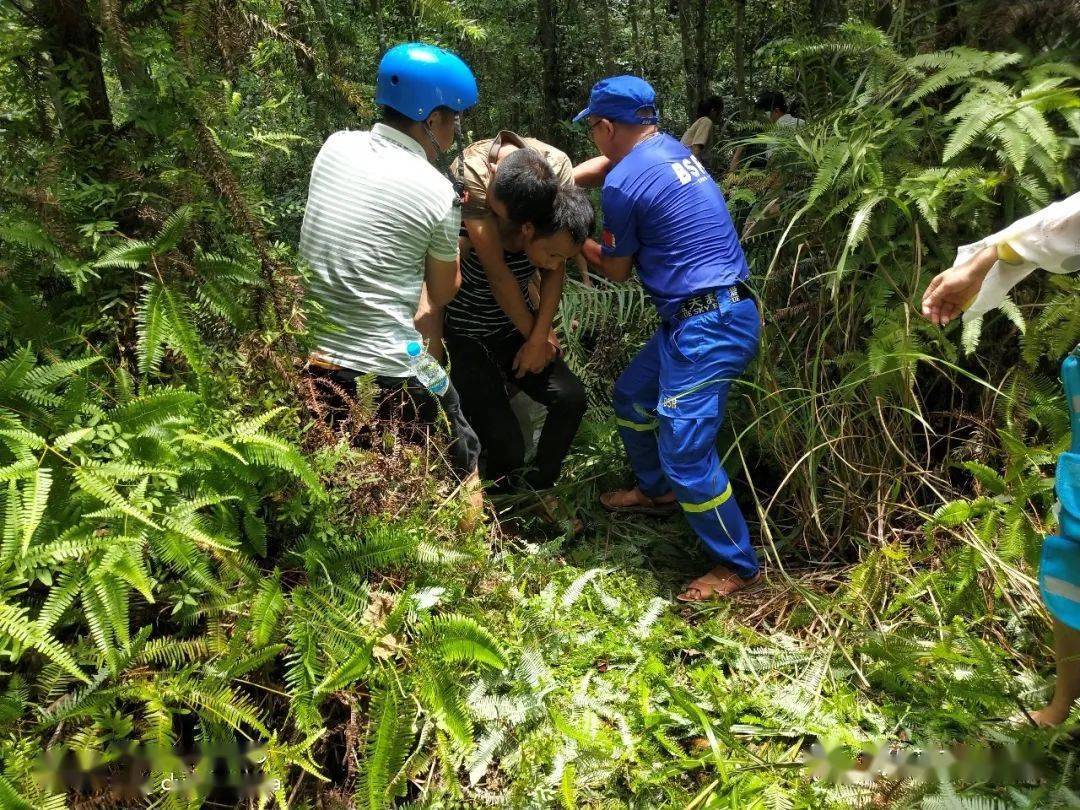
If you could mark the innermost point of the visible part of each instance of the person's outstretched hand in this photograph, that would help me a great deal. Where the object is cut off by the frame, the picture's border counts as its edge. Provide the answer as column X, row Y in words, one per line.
column 950, row 292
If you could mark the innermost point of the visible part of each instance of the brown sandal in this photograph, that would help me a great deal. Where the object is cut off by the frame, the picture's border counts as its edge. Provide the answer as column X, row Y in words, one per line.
column 644, row 506
column 719, row 586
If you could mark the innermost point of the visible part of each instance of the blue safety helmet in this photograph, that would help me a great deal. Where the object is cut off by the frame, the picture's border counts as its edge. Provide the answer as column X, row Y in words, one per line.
column 415, row 78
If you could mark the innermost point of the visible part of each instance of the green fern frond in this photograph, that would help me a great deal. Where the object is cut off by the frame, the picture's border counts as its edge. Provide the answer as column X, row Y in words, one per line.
column 153, row 409
column 31, row 236
column 13, row 369
column 266, row 610
column 47, row 376
column 10, row 797
column 269, row 451
column 105, row 492
column 16, row 625
column 130, row 255
column 217, row 267
column 255, row 424
column 152, row 329
column 387, row 748
column 971, row 127
column 171, row 231
column 454, row 637
column 354, row 668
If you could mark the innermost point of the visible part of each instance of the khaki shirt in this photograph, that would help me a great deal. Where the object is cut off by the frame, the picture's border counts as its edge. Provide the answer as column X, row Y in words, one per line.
column 478, row 171
column 699, row 133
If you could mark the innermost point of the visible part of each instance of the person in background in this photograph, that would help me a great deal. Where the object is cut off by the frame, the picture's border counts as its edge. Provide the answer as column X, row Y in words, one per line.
column 978, row 282
column 772, row 105
column 696, row 138
column 381, row 222
column 772, row 108
column 663, row 212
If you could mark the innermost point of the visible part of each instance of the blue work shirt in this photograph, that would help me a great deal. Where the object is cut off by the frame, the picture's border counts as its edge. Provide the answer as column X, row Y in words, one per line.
column 662, row 206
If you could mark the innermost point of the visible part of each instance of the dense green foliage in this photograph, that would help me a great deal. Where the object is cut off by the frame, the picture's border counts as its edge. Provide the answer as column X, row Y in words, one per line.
column 189, row 558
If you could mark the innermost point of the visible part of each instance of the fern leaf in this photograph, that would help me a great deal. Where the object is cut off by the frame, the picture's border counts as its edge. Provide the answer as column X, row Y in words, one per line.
column 218, row 267
column 354, row 668
column 181, row 334
column 256, row 423
column 71, row 438
column 387, row 749
column 14, row 369
column 105, row 492
column 440, row 696
column 152, row 328
column 47, row 376
column 266, row 610
column 454, row 637
column 10, row 798
column 35, row 496
column 15, row 624
column 969, row 337
column 169, row 235
column 18, row 470
column 268, row 451
column 131, row 255
column 153, row 409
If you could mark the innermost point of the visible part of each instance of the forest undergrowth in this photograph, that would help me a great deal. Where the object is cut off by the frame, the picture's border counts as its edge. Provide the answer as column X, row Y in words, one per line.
column 208, row 597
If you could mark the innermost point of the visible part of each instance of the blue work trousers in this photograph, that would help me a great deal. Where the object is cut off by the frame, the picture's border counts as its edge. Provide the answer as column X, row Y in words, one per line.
column 669, row 405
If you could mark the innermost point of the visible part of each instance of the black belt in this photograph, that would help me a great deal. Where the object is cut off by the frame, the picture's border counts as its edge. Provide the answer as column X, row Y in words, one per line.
column 710, row 301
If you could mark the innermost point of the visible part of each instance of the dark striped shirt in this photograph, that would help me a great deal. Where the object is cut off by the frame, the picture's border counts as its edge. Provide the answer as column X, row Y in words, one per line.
column 474, row 312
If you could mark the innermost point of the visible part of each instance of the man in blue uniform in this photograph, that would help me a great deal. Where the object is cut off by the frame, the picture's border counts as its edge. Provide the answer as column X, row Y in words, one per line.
column 663, row 212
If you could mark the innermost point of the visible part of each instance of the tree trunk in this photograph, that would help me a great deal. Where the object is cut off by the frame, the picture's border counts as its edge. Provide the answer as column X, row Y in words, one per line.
column 128, row 69
column 607, row 63
column 824, row 11
column 949, row 30
column 380, row 25
column 297, row 28
column 326, row 31
column 654, row 70
column 704, row 65
column 635, row 37
column 546, row 12
column 686, row 31
column 71, row 40
column 740, row 57
column 883, row 17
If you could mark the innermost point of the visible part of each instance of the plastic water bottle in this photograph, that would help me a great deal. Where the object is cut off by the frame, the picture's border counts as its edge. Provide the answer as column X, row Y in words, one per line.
column 1070, row 375
column 427, row 369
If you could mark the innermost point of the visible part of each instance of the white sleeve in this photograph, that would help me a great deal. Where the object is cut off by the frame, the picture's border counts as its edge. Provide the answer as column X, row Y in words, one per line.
column 1049, row 238
column 444, row 236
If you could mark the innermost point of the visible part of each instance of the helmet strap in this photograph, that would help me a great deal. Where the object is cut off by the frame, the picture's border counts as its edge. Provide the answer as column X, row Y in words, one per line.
column 443, row 160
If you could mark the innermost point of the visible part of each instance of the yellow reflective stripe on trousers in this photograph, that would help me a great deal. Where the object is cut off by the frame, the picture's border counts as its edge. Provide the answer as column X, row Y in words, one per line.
column 712, row 503
column 1059, row 587
column 638, row 426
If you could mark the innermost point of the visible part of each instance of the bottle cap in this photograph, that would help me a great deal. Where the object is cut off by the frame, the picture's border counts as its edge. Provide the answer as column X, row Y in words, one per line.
column 413, row 348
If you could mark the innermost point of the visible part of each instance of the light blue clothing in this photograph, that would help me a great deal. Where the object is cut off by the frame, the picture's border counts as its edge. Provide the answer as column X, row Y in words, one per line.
column 1059, row 572
column 669, row 405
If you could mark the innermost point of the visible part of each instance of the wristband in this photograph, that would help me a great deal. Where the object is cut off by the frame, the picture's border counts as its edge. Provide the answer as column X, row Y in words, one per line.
column 1008, row 255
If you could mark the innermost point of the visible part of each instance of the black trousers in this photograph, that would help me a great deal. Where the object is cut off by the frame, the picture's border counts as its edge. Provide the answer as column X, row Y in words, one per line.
column 479, row 369
column 405, row 400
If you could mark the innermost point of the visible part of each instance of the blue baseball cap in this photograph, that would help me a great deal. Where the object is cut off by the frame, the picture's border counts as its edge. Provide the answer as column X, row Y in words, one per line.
column 619, row 98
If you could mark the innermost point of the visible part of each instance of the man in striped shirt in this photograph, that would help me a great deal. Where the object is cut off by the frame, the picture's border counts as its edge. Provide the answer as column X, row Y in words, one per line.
column 540, row 225
column 381, row 222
